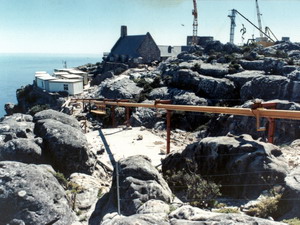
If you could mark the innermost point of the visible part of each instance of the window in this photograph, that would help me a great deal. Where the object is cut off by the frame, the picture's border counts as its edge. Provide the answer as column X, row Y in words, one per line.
column 66, row 87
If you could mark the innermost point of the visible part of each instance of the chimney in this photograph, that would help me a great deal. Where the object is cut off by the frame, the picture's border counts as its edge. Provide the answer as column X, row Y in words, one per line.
column 123, row 31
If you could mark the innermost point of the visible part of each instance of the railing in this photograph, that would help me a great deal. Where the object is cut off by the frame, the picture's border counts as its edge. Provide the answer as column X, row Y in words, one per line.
column 257, row 110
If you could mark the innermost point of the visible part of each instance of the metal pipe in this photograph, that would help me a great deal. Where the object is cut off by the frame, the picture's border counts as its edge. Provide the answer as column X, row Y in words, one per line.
column 168, row 130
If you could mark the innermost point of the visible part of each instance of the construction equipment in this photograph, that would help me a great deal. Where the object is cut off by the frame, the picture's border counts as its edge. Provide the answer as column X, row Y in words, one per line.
column 265, row 38
column 195, row 23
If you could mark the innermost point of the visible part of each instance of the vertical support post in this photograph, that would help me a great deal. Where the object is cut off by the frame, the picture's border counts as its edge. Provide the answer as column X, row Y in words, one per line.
column 85, row 126
column 127, row 116
column 168, row 130
column 118, row 188
column 113, row 116
column 271, row 130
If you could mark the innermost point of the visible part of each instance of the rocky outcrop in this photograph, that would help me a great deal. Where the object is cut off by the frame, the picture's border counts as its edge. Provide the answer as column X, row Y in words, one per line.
column 285, row 131
column 213, row 70
column 64, row 145
column 239, row 79
column 252, row 65
column 146, row 117
column 192, row 215
column 123, row 88
column 243, row 166
column 101, row 77
column 22, row 150
column 139, row 182
column 289, row 203
column 30, row 194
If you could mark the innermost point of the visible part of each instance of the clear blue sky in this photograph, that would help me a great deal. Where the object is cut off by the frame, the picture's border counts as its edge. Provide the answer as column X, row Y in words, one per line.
column 93, row 26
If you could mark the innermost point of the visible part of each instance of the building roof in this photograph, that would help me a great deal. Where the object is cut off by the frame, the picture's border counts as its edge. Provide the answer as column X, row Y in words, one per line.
column 71, row 76
column 128, row 45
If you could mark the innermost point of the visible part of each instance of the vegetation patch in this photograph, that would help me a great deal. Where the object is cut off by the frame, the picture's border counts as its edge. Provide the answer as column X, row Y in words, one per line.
column 294, row 221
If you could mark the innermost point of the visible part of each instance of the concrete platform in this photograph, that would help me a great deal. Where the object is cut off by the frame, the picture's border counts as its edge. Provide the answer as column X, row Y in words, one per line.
column 119, row 143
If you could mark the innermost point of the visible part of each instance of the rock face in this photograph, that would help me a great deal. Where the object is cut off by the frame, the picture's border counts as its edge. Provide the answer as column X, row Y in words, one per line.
column 119, row 89
column 289, row 205
column 192, row 215
column 64, row 145
column 285, row 131
column 30, row 194
column 256, row 165
column 139, row 182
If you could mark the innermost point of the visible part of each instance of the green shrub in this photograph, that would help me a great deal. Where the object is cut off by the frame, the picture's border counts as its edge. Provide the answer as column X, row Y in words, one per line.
column 197, row 191
column 38, row 108
column 267, row 207
column 228, row 210
column 294, row 221
column 61, row 179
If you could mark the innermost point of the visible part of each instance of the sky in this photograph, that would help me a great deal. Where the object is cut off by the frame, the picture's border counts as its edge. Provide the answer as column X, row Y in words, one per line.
column 93, row 26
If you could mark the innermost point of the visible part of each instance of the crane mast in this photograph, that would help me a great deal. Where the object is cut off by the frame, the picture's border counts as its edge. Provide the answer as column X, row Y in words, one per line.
column 195, row 23
column 259, row 19
column 232, row 25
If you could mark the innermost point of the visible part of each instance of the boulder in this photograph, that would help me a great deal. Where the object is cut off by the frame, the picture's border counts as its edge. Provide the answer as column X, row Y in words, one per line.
column 16, row 126
column 144, row 117
column 101, row 77
column 65, row 146
column 242, row 166
column 239, row 79
column 267, row 88
column 274, row 66
column 58, row 116
column 139, row 182
column 216, row 88
column 140, row 219
column 30, row 194
column 252, row 65
column 188, row 215
column 22, row 150
column 123, row 88
column 289, row 203
column 214, row 70
column 186, row 79
column 11, row 108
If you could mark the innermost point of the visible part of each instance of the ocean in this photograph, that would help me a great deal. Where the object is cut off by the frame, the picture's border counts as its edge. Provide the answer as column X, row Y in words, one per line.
column 17, row 70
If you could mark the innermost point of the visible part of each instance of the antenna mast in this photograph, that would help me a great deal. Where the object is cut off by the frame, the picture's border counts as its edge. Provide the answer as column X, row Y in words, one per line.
column 259, row 19
column 195, row 23
column 233, row 25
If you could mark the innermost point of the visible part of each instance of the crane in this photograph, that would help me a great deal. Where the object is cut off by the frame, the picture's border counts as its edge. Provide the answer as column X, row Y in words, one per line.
column 195, row 23
column 259, row 19
column 233, row 25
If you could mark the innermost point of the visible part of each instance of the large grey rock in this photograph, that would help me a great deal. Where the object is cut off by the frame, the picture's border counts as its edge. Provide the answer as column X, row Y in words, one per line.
column 119, row 89
column 22, row 150
column 101, row 77
column 213, row 70
column 188, row 215
column 239, row 79
column 243, row 166
column 16, row 126
column 186, row 79
column 289, row 203
column 274, row 66
column 146, row 117
column 58, row 116
column 30, row 194
column 65, row 146
column 140, row 219
column 267, row 88
column 216, row 88
column 252, row 65
column 139, row 182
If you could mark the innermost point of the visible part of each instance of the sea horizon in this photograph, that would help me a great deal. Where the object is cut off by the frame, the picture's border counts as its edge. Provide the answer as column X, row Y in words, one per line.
column 18, row 69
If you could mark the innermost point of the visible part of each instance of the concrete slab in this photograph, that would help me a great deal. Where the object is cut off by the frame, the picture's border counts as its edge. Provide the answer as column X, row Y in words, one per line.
column 120, row 143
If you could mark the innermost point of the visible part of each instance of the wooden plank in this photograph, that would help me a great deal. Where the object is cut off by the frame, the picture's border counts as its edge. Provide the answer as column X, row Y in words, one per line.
column 98, row 112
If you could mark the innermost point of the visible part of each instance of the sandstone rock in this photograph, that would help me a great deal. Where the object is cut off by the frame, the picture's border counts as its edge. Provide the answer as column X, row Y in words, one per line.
column 66, row 146
column 188, row 215
column 118, row 89
column 289, row 205
column 154, row 206
column 58, row 116
column 274, row 66
column 144, row 117
column 213, row 70
column 22, row 150
column 239, row 79
column 30, row 194
column 267, row 88
column 186, row 79
column 139, row 182
column 101, row 77
column 255, row 164
column 141, row 219
column 252, row 65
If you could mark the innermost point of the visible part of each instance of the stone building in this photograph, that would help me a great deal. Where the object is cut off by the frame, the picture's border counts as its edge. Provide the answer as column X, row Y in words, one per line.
column 134, row 48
